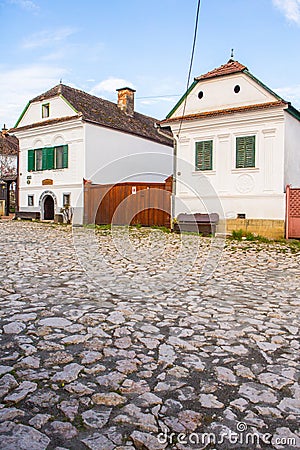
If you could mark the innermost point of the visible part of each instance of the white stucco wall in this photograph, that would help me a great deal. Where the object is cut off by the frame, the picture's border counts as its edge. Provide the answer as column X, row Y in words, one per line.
column 114, row 156
column 218, row 93
column 65, row 181
column 292, row 151
column 257, row 192
column 58, row 108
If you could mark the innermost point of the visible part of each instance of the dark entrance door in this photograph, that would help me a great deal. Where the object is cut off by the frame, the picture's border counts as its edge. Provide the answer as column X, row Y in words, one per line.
column 48, row 208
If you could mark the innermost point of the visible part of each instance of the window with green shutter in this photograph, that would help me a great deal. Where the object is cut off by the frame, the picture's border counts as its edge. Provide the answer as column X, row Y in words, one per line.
column 204, row 157
column 48, row 158
column 245, row 152
column 31, row 161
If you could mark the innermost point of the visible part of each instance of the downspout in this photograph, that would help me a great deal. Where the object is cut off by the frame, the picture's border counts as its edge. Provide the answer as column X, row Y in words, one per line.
column 173, row 196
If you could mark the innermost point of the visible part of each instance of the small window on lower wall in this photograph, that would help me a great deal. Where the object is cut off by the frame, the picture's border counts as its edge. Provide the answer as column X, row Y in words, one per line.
column 30, row 200
column 66, row 200
column 203, row 155
column 245, row 152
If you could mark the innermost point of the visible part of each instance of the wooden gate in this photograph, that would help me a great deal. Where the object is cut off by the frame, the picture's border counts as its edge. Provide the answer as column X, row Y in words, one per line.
column 292, row 213
column 128, row 203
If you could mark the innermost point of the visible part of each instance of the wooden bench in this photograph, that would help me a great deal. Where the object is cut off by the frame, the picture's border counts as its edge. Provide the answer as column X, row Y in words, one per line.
column 204, row 224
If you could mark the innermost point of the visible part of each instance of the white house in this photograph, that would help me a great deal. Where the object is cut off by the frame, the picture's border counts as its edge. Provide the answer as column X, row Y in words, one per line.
column 67, row 136
column 239, row 141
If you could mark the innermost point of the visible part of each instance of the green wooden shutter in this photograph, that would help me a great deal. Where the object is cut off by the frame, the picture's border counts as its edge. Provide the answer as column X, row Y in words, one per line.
column 204, row 155
column 48, row 158
column 31, row 165
column 65, row 156
column 245, row 151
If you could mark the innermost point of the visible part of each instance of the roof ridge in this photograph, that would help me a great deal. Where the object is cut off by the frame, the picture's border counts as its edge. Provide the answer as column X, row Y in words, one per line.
column 230, row 67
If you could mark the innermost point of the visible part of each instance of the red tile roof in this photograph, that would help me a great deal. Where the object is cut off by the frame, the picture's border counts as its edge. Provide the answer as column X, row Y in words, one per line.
column 223, row 112
column 226, row 69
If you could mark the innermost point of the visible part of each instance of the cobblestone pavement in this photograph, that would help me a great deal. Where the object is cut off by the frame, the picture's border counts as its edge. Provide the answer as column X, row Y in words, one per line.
column 82, row 368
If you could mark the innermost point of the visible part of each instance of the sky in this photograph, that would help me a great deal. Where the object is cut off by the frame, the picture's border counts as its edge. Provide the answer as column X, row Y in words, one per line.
column 101, row 45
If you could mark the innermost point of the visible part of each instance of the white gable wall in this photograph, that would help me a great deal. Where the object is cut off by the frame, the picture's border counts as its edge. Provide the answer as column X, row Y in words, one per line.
column 256, row 192
column 65, row 181
column 292, row 151
column 218, row 93
column 58, row 108
column 113, row 156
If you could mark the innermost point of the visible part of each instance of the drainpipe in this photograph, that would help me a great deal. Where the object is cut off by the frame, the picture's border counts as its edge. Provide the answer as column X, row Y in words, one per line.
column 159, row 130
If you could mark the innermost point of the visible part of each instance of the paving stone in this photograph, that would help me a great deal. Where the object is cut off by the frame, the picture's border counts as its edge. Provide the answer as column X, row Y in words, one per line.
column 17, row 436
column 5, row 369
column 108, row 399
column 96, row 419
column 146, row 441
column 39, row 420
column 25, row 388
column 69, row 373
column 210, row 401
column 290, row 405
column 55, row 322
column 10, row 413
column 69, row 408
column 63, row 429
column 97, row 441
column 257, row 393
column 14, row 328
column 132, row 415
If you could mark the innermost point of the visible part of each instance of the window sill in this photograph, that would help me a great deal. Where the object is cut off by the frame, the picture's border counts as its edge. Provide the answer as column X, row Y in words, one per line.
column 245, row 170
column 206, row 172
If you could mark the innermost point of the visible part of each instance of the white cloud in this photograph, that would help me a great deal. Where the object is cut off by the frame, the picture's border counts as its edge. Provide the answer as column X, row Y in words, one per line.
column 28, row 5
column 291, row 94
column 19, row 85
column 110, row 85
column 290, row 8
column 155, row 100
column 47, row 37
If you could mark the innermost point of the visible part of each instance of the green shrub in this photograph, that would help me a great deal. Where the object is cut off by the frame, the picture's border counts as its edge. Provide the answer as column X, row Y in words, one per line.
column 237, row 234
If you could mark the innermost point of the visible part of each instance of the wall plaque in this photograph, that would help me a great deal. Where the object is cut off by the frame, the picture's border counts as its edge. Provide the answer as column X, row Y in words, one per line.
column 47, row 182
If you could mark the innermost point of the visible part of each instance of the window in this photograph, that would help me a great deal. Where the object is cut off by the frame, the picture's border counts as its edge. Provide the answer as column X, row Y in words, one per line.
column 203, row 160
column 39, row 159
column 59, row 153
column 66, row 199
column 30, row 200
column 245, row 152
column 45, row 110
column 48, row 158
column 237, row 89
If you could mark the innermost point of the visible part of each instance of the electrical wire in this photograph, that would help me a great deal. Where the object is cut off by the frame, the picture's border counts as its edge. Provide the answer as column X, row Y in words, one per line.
column 191, row 63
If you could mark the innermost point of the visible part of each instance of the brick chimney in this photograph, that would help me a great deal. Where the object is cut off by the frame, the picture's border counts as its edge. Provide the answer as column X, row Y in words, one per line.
column 126, row 100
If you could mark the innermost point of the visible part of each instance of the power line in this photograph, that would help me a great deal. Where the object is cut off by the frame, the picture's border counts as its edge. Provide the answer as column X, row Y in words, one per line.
column 191, row 62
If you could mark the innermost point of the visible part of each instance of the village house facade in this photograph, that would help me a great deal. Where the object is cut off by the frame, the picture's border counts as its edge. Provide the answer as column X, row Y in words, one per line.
column 68, row 136
column 243, row 139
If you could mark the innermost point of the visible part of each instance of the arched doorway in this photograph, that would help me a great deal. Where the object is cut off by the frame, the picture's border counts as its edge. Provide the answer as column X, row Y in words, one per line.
column 48, row 208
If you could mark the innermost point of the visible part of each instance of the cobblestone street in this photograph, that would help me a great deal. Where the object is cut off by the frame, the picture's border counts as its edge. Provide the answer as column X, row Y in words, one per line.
column 85, row 367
